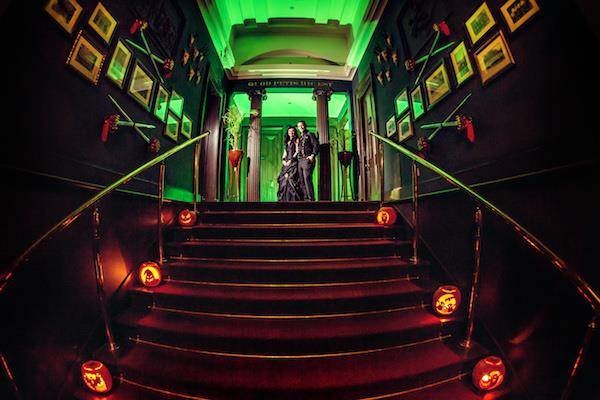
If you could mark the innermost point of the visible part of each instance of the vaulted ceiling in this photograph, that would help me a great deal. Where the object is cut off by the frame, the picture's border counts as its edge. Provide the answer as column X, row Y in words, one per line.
column 291, row 38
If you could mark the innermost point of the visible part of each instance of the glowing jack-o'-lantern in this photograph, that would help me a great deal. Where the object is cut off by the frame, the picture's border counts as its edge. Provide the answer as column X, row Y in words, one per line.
column 489, row 373
column 187, row 218
column 446, row 300
column 96, row 376
column 386, row 216
column 150, row 274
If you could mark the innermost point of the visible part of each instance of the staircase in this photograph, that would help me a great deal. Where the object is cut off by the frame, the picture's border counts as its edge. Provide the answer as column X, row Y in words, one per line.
column 290, row 301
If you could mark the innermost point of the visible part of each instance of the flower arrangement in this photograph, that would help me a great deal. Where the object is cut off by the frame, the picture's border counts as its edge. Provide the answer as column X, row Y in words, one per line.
column 233, row 124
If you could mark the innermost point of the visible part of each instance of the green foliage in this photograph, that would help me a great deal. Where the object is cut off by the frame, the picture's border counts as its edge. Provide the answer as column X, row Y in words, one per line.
column 233, row 125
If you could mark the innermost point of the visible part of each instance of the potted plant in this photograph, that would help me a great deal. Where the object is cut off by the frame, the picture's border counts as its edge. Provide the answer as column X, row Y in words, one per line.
column 233, row 126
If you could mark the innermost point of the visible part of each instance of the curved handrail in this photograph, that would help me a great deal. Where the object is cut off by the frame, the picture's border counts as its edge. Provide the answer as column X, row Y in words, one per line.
column 584, row 288
column 73, row 215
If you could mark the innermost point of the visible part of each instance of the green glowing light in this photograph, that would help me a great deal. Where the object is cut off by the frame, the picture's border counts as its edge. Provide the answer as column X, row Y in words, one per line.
column 176, row 104
column 402, row 102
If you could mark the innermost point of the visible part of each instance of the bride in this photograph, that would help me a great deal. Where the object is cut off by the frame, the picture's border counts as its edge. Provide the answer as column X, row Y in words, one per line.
column 288, row 177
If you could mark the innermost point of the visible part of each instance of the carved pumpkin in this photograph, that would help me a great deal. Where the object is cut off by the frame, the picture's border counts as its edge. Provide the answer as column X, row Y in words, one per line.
column 96, row 376
column 187, row 218
column 489, row 373
column 386, row 216
column 446, row 300
column 150, row 274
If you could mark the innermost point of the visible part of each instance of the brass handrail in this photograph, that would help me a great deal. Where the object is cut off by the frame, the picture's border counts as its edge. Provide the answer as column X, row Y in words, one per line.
column 69, row 219
column 583, row 288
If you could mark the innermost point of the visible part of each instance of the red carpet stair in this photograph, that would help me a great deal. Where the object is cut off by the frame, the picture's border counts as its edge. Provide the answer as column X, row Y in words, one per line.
column 290, row 301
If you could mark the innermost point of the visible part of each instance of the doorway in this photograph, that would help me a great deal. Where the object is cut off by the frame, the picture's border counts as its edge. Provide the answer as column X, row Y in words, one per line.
column 370, row 150
column 211, row 149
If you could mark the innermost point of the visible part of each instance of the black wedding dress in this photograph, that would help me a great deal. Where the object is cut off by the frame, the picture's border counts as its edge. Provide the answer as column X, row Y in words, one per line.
column 288, row 177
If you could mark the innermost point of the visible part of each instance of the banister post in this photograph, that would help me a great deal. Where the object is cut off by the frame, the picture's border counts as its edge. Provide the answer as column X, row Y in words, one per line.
column 196, row 175
column 112, row 345
column 159, row 223
column 583, row 349
column 475, row 284
column 415, row 212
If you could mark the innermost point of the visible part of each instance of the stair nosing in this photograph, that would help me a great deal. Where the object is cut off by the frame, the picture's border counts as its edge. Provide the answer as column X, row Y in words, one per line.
column 291, row 285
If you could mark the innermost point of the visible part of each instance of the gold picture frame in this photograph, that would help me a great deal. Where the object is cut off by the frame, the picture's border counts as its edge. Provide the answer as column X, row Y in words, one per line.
column 186, row 126
column 176, row 104
column 480, row 23
column 390, row 126
column 66, row 13
column 418, row 103
column 493, row 58
column 86, row 59
column 102, row 22
column 461, row 63
column 405, row 128
column 171, row 129
column 437, row 85
column 119, row 64
column 161, row 104
column 402, row 103
column 517, row 12
column 141, row 85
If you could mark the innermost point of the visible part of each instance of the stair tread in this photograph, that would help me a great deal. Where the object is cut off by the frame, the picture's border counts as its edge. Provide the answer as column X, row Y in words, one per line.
column 274, row 226
column 284, row 329
column 240, row 293
column 320, row 373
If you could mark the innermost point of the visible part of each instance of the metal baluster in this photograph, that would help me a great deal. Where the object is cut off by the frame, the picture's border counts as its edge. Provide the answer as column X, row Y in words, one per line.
column 476, row 272
column 161, row 198
column 585, row 345
column 100, row 280
column 196, row 174
column 11, row 378
column 415, row 213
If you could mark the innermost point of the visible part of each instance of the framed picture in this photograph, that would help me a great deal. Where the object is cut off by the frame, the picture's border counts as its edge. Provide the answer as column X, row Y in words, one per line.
column 402, row 102
column 186, row 126
column 119, row 64
column 517, row 12
column 493, row 58
column 480, row 23
column 102, row 22
column 65, row 12
column 161, row 105
column 390, row 126
column 176, row 104
column 437, row 85
column 405, row 128
column 418, row 104
column 461, row 63
column 172, row 127
column 141, row 85
column 86, row 59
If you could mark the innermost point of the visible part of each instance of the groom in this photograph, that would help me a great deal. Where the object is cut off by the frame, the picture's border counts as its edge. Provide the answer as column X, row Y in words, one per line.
column 308, row 148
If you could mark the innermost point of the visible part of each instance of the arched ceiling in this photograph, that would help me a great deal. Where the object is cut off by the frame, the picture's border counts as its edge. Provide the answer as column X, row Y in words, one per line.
column 291, row 38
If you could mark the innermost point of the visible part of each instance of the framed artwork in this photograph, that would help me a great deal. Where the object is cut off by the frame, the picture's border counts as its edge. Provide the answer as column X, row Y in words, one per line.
column 390, row 126
column 102, row 22
column 161, row 104
column 65, row 12
column 176, row 104
column 86, row 59
column 186, row 126
column 172, row 127
column 437, row 85
column 480, row 23
column 119, row 64
column 493, row 58
column 418, row 104
column 461, row 63
column 402, row 102
column 405, row 128
column 517, row 12
column 141, row 85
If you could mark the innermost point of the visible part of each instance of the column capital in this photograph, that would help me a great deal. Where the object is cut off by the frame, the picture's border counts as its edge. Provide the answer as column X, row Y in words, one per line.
column 323, row 90
column 257, row 93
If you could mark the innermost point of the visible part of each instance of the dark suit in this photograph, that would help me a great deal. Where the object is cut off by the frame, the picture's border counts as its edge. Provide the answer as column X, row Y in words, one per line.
column 307, row 146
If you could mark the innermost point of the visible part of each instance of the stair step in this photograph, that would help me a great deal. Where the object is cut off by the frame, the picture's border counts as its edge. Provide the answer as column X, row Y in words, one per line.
column 286, row 217
column 286, row 248
column 286, row 336
column 342, row 376
column 293, row 270
column 279, row 231
column 351, row 297
column 288, row 206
